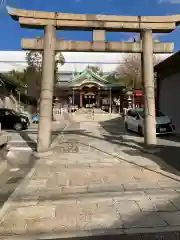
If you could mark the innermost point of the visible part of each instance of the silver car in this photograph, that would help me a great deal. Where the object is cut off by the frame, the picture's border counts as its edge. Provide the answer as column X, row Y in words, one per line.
column 134, row 121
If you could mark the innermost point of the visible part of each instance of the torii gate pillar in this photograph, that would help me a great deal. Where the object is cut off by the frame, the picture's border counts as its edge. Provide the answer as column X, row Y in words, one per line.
column 149, row 98
column 47, row 87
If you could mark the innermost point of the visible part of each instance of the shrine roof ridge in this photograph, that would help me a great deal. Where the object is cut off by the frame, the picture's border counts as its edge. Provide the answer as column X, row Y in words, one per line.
column 21, row 13
column 87, row 71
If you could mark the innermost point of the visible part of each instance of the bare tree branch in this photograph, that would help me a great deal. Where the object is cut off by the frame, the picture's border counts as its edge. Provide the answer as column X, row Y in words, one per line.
column 130, row 70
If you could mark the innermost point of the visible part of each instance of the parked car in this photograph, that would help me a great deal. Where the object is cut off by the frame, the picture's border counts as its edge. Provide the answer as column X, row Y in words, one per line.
column 27, row 114
column 134, row 121
column 11, row 119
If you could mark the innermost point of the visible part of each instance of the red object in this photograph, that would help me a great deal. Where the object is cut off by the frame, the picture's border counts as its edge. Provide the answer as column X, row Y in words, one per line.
column 138, row 93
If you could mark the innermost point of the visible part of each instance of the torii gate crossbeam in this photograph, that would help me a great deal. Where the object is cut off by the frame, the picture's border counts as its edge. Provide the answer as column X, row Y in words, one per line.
column 98, row 24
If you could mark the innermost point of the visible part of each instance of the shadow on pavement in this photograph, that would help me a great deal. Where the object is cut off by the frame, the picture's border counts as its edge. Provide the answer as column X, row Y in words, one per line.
column 159, row 236
column 168, row 153
column 172, row 138
column 131, row 150
column 157, row 224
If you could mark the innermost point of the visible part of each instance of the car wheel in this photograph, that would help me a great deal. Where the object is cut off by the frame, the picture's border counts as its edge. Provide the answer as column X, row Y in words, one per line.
column 18, row 126
column 140, row 131
column 126, row 126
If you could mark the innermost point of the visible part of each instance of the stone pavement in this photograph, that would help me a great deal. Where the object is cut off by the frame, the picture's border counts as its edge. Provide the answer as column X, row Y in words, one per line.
column 86, row 188
column 26, row 140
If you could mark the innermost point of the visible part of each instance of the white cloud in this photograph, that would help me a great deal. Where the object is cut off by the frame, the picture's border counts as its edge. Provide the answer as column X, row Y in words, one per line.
column 2, row 4
column 170, row 1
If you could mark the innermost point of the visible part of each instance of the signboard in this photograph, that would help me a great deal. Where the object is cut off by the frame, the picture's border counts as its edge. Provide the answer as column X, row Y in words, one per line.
column 138, row 93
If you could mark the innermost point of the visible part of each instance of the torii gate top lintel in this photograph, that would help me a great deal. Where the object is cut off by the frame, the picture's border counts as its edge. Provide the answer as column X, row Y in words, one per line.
column 39, row 19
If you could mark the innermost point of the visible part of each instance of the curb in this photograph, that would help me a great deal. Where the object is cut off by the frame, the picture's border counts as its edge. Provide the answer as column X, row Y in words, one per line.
column 152, row 152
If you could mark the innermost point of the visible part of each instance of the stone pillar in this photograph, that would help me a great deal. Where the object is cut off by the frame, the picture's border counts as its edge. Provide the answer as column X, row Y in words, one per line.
column 81, row 99
column 149, row 99
column 99, row 35
column 47, row 86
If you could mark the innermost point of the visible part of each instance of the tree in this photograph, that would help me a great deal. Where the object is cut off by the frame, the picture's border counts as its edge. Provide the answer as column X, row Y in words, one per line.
column 17, row 77
column 34, row 60
column 130, row 70
column 115, row 78
column 34, row 70
column 96, row 70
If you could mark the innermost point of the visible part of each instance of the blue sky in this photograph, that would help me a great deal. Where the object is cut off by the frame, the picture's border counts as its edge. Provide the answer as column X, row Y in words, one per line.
column 11, row 33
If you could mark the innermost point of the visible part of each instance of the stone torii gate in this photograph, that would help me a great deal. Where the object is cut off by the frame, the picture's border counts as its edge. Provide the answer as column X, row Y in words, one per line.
column 98, row 24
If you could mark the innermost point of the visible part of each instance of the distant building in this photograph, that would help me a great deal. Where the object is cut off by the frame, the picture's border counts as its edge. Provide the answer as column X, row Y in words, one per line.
column 168, row 88
column 88, row 89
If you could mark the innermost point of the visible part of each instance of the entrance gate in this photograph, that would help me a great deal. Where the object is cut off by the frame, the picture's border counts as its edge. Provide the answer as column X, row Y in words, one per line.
column 98, row 24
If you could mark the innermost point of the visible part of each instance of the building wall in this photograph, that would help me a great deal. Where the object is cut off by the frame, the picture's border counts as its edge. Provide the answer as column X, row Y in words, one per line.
column 7, row 99
column 64, row 76
column 169, row 98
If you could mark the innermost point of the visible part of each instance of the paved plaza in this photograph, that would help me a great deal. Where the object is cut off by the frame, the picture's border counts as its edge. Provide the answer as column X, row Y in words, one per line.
column 91, row 186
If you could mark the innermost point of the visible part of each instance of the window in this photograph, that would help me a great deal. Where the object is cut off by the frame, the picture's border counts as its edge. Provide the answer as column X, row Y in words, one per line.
column 141, row 113
column 158, row 114
column 132, row 113
column 129, row 113
column 9, row 112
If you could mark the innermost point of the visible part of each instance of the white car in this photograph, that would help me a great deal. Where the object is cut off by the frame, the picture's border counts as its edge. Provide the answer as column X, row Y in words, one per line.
column 134, row 121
